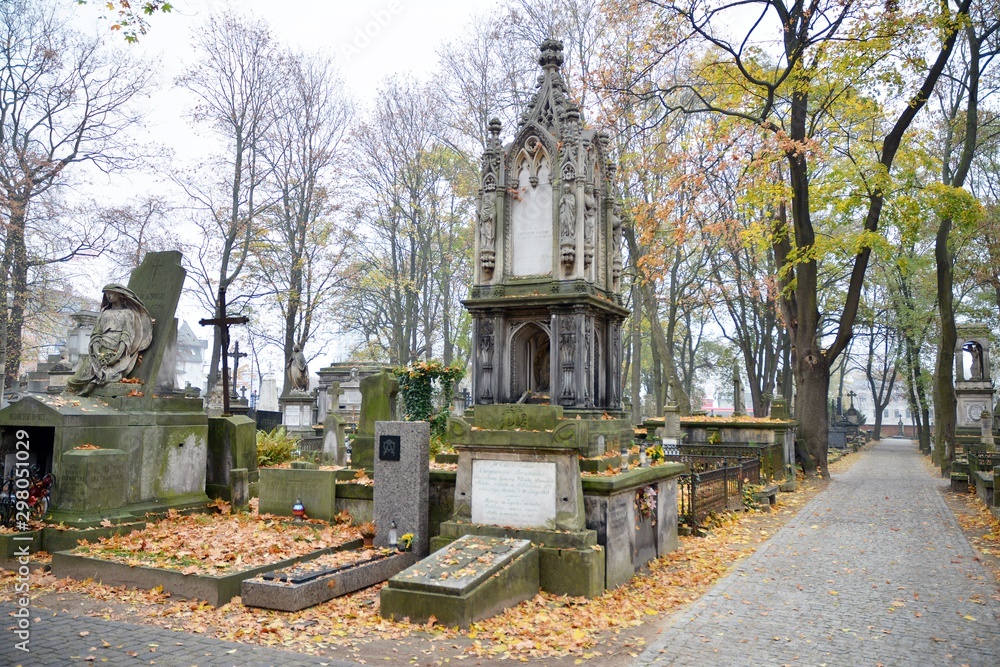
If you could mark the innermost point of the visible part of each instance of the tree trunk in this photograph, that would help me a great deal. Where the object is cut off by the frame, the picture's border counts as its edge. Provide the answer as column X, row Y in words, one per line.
column 636, row 362
column 662, row 347
column 945, row 403
column 812, row 377
column 17, row 287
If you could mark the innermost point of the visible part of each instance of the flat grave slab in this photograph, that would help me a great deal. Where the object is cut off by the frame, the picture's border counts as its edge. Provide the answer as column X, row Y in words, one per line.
column 313, row 582
column 473, row 578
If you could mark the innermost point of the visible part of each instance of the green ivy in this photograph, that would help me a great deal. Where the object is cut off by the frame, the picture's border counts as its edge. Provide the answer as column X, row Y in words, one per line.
column 416, row 385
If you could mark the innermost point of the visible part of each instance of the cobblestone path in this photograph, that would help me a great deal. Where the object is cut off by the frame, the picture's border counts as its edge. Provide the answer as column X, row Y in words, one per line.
column 63, row 639
column 873, row 571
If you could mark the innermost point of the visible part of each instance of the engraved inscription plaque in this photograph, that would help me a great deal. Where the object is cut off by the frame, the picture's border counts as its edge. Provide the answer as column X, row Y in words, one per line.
column 519, row 494
column 388, row 448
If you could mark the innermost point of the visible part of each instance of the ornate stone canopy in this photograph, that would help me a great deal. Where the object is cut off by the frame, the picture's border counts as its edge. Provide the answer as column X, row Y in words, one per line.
column 546, row 295
column 973, row 390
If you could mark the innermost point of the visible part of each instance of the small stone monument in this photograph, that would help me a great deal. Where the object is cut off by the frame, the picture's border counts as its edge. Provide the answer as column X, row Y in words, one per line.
column 378, row 403
column 334, row 427
column 975, row 391
column 297, row 404
column 402, row 468
column 268, row 401
column 739, row 406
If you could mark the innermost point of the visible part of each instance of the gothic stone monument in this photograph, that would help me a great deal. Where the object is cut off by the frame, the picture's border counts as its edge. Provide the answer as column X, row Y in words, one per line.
column 151, row 442
column 547, row 315
column 546, row 301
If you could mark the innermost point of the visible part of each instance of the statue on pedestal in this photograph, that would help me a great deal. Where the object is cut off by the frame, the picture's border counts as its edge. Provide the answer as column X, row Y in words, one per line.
column 297, row 371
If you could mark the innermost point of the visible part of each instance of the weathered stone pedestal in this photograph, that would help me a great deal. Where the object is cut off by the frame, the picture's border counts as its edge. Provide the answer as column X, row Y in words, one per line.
column 232, row 443
column 519, row 477
column 93, row 481
column 297, row 413
column 151, row 452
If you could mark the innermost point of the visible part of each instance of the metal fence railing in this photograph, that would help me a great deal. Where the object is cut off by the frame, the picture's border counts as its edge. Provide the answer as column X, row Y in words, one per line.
column 713, row 484
column 985, row 461
column 770, row 455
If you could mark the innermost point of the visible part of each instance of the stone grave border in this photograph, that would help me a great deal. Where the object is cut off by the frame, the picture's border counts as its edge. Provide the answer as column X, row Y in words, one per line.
column 287, row 596
column 216, row 590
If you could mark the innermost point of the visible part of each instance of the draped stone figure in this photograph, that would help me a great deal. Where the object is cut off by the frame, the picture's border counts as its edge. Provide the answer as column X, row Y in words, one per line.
column 123, row 330
column 297, row 370
column 589, row 215
column 567, row 225
column 487, row 222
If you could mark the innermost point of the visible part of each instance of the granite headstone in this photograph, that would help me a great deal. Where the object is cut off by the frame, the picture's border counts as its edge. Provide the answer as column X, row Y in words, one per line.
column 402, row 471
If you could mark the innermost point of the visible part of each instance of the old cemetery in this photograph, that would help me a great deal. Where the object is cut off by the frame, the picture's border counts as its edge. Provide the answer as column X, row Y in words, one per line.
column 541, row 485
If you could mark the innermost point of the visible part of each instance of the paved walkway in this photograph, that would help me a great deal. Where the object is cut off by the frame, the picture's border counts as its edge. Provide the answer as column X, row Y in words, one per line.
column 873, row 571
column 64, row 639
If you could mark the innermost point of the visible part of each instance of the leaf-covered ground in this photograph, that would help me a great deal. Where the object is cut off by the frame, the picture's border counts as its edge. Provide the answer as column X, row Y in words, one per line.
column 217, row 543
column 563, row 631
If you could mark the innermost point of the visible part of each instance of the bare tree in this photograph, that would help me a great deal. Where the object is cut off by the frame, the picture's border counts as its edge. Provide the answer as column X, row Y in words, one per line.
column 301, row 249
column 136, row 229
column 63, row 101
column 237, row 78
column 413, row 217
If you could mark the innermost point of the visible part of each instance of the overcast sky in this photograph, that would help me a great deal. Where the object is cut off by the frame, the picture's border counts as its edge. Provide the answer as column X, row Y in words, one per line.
column 369, row 39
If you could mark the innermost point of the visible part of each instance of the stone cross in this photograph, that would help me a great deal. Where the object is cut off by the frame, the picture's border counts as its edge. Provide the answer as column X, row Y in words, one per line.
column 236, row 355
column 223, row 322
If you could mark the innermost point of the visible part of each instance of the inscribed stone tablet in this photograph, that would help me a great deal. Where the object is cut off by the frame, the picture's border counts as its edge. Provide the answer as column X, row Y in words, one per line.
column 531, row 225
column 519, row 494
column 293, row 417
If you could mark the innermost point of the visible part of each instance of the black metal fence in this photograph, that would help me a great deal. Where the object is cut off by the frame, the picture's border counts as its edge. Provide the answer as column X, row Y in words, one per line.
column 985, row 461
column 714, row 485
column 771, row 456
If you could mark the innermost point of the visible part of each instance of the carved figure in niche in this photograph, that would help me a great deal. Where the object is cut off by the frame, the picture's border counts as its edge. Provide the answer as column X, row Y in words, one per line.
column 567, row 345
column 540, row 367
column 616, row 240
column 122, row 331
column 297, row 370
column 567, row 224
column 486, row 342
column 487, row 222
column 976, row 369
column 487, row 219
column 589, row 214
